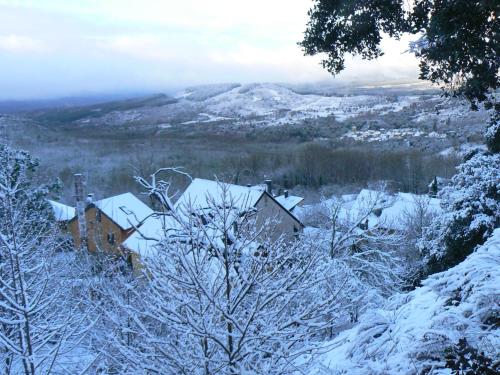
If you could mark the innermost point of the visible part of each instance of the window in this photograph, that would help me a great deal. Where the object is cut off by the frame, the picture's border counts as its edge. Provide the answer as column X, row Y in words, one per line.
column 98, row 216
column 111, row 238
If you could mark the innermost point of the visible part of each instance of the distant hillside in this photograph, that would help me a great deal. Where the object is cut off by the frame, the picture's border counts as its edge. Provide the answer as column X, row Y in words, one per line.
column 17, row 106
column 74, row 113
column 402, row 115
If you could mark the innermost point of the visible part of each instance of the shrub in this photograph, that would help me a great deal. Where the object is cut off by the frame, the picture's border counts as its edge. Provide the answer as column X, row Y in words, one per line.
column 464, row 359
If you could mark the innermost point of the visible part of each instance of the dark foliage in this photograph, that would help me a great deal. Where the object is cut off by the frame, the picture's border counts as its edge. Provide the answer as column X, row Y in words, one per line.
column 458, row 51
column 463, row 359
column 472, row 212
column 492, row 136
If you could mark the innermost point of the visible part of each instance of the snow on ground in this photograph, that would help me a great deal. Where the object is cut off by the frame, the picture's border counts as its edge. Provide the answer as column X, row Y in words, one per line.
column 206, row 117
column 384, row 135
column 446, row 109
column 269, row 105
column 287, row 106
column 411, row 333
column 463, row 149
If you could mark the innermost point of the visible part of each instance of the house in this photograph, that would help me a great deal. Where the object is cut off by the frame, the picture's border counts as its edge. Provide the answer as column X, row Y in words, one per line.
column 289, row 201
column 124, row 224
column 387, row 211
column 62, row 213
column 111, row 221
column 142, row 243
column 201, row 195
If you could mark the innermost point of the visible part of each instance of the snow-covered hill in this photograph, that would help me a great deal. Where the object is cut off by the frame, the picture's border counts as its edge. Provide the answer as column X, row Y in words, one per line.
column 414, row 332
column 287, row 106
column 416, row 118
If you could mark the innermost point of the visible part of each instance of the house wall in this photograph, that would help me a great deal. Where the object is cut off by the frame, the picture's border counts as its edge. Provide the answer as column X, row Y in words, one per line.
column 98, row 230
column 284, row 223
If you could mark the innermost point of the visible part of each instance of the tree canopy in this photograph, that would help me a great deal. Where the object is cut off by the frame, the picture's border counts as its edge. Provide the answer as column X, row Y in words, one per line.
column 457, row 41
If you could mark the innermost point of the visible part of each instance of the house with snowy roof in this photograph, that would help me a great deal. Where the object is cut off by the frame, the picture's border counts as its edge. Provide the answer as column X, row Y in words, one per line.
column 387, row 211
column 202, row 195
column 111, row 221
column 143, row 242
column 289, row 201
column 62, row 213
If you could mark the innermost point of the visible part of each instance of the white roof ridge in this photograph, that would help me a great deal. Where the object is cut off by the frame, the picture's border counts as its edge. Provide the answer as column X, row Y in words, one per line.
column 201, row 190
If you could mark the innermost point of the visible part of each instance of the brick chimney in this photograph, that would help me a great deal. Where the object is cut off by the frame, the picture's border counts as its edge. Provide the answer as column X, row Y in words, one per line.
column 269, row 186
column 89, row 199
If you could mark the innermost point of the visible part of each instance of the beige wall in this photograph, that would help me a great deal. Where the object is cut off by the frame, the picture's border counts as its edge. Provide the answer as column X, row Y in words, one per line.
column 97, row 231
column 285, row 223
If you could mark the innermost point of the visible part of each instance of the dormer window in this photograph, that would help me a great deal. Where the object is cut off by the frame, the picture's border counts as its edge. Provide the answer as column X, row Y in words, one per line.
column 125, row 210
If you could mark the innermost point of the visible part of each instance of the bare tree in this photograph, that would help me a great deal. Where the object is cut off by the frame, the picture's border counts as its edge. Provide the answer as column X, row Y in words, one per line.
column 225, row 298
column 360, row 246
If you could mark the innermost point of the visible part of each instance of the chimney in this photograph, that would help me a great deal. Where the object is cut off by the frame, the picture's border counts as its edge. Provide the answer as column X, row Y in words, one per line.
column 286, row 193
column 90, row 198
column 269, row 186
column 80, row 210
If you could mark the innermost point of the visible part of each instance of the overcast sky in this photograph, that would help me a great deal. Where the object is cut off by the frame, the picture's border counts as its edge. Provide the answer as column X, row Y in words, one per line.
column 51, row 48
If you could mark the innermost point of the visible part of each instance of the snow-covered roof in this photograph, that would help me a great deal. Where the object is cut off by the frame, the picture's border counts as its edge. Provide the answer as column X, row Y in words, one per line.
column 289, row 202
column 405, row 204
column 154, row 229
column 62, row 212
column 362, row 205
column 449, row 306
column 201, row 194
column 126, row 210
column 393, row 209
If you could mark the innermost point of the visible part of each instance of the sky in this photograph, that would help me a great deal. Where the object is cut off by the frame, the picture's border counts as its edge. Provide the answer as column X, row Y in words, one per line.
column 54, row 48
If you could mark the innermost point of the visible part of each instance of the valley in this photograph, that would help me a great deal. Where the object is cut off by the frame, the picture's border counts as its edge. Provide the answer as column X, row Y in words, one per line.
column 312, row 138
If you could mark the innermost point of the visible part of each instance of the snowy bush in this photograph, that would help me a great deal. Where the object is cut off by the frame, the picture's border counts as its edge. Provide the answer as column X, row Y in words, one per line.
column 472, row 211
column 492, row 134
column 464, row 359
column 413, row 332
column 40, row 321
column 365, row 254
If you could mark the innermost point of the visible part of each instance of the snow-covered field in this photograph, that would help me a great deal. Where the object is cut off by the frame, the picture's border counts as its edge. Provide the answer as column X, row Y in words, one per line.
column 386, row 134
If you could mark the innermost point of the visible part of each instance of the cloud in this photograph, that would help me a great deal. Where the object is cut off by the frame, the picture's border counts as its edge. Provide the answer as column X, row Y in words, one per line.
column 21, row 44
column 60, row 47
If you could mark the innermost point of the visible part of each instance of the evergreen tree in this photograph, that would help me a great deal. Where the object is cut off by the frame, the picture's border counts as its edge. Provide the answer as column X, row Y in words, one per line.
column 458, row 48
column 472, row 211
column 36, row 321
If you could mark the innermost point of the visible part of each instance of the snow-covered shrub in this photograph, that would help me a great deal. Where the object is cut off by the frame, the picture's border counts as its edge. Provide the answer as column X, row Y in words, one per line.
column 472, row 211
column 365, row 254
column 414, row 331
column 39, row 321
column 492, row 134
column 225, row 297
column 464, row 359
